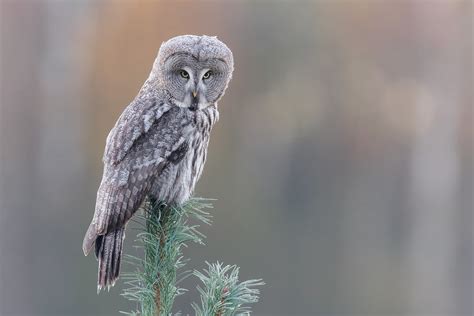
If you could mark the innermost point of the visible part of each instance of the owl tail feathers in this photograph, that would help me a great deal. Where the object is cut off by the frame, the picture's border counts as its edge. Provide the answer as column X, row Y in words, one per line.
column 108, row 249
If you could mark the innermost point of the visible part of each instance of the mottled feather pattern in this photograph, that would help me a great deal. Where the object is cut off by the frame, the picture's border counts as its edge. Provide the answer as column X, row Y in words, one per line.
column 177, row 181
column 136, row 120
column 157, row 147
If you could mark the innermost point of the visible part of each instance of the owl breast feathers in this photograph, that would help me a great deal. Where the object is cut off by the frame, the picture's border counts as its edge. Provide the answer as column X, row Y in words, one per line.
column 158, row 146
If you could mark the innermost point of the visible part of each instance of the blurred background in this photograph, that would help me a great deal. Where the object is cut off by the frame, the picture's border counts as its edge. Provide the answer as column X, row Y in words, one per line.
column 342, row 163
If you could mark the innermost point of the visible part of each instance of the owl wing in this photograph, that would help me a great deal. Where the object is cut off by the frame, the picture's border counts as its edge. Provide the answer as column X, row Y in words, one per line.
column 135, row 121
column 130, row 167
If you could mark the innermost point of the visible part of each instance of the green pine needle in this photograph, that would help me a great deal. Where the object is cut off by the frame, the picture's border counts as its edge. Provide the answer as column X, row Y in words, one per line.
column 222, row 294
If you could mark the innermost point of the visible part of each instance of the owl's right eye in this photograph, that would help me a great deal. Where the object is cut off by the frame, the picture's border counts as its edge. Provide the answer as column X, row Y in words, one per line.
column 184, row 74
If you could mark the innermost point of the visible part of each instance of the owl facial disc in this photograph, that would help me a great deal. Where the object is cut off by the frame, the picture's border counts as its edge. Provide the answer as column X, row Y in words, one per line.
column 194, row 70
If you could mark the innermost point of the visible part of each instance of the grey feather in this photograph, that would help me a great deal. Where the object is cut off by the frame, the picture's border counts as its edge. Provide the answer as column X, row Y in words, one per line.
column 136, row 120
column 158, row 146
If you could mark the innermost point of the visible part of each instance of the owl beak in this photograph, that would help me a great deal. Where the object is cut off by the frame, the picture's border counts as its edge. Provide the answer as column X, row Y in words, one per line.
column 194, row 94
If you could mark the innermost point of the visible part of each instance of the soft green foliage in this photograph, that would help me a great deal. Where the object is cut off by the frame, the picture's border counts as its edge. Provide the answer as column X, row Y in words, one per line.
column 154, row 284
column 222, row 293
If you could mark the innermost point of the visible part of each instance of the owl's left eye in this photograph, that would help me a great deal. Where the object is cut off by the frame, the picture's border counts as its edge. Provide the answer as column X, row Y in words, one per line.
column 184, row 74
column 207, row 75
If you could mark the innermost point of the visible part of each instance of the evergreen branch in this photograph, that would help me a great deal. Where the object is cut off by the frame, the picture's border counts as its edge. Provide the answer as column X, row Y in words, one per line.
column 153, row 285
column 222, row 294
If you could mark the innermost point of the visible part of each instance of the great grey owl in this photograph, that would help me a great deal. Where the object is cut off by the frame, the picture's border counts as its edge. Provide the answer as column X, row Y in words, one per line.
column 158, row 146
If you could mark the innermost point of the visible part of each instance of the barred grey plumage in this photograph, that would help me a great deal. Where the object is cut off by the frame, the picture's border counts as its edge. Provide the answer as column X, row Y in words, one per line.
column 158, row 146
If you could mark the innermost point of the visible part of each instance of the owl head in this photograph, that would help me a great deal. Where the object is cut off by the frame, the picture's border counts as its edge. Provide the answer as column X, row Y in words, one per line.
column 194, row 70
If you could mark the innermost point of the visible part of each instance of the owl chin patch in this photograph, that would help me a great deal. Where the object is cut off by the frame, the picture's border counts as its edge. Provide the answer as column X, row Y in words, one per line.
column 194, row 106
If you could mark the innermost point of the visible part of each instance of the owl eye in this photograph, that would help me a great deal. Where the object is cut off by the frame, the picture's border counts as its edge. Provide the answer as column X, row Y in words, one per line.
column 184, row 74
column 207, row 75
